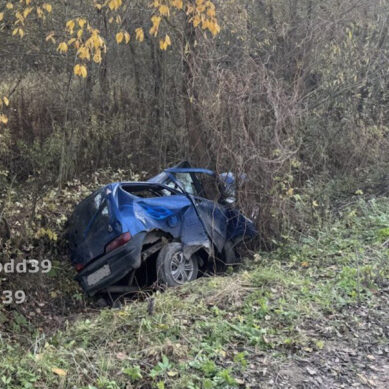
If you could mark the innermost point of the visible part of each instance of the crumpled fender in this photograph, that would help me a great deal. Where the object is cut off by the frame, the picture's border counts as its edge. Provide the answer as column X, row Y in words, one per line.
column 174, row 216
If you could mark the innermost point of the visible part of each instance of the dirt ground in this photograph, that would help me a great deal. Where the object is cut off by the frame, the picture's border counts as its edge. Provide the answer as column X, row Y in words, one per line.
column 354, row 355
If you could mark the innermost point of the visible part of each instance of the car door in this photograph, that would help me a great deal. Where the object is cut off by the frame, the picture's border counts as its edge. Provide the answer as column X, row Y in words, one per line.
column 213, row 216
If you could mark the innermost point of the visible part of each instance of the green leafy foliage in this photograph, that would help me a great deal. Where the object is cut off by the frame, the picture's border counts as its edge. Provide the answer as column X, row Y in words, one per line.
column 134, row 373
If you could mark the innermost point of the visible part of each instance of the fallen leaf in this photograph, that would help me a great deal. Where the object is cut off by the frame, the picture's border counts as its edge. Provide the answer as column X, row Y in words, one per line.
column 311, row 371
column 121, row 356
column 60, row 372
column 362, row 378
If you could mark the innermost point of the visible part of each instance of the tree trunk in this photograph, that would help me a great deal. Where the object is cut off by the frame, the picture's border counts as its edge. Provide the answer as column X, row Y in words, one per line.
column 196, row 151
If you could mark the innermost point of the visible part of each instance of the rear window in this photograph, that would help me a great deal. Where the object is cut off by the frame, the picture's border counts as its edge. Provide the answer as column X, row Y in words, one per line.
column 86, row 210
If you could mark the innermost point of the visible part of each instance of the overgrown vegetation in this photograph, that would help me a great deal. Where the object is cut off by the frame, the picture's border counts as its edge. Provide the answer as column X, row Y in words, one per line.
column 39, row 235
column 291, row 93
column 319, row 297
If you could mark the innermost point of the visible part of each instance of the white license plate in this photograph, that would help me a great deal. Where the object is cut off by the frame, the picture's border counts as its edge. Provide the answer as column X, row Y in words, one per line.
column 98, row 275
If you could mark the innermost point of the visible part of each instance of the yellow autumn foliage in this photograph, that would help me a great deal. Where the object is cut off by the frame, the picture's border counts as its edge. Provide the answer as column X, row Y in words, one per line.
column 87, row 41
column 62, row 47
column 114, row 4
column 47, row 7
column 70, row 26
column 97, row 57
column 80, row 70
column 156, row 20
column 177, row 4
column 119, row 37
column 164, row 10
column 164, row 44
column 83, row 53
column 139, row 34
column 3, row 119
column 81, row 22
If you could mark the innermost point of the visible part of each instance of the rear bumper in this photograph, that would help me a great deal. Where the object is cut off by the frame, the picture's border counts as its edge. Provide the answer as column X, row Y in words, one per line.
column 112, row 267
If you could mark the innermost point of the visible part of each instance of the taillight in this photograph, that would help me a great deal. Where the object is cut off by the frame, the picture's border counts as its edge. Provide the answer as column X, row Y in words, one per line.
column 119, row 241
column 79, row 266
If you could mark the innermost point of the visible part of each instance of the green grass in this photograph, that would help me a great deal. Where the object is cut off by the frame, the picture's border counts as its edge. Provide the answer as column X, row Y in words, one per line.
column 206, row 334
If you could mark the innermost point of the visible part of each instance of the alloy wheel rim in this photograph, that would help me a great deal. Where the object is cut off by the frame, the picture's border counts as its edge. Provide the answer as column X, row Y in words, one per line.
column 181, row 268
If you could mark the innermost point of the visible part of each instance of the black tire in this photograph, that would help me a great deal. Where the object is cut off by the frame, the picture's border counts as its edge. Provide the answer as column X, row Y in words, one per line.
column 172, row 268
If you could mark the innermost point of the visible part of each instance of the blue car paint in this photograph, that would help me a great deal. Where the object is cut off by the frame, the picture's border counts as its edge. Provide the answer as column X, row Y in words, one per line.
column 190, row 170
column 196, row 222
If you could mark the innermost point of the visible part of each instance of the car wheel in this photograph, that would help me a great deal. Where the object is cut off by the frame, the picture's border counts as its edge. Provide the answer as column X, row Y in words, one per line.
column 173, row 268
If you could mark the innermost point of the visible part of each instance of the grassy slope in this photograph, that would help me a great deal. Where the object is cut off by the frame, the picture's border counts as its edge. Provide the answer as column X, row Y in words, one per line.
column 312, row 313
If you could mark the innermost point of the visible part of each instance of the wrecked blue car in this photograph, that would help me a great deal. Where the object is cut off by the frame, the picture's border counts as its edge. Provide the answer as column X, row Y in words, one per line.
column 170, row 229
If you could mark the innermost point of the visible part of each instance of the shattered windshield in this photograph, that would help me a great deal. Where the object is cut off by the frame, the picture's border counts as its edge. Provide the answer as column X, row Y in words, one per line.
column 185, row 180
column 187, row 183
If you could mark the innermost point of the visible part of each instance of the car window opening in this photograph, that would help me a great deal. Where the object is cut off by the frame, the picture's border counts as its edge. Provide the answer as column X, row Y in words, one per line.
column 146, row 192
